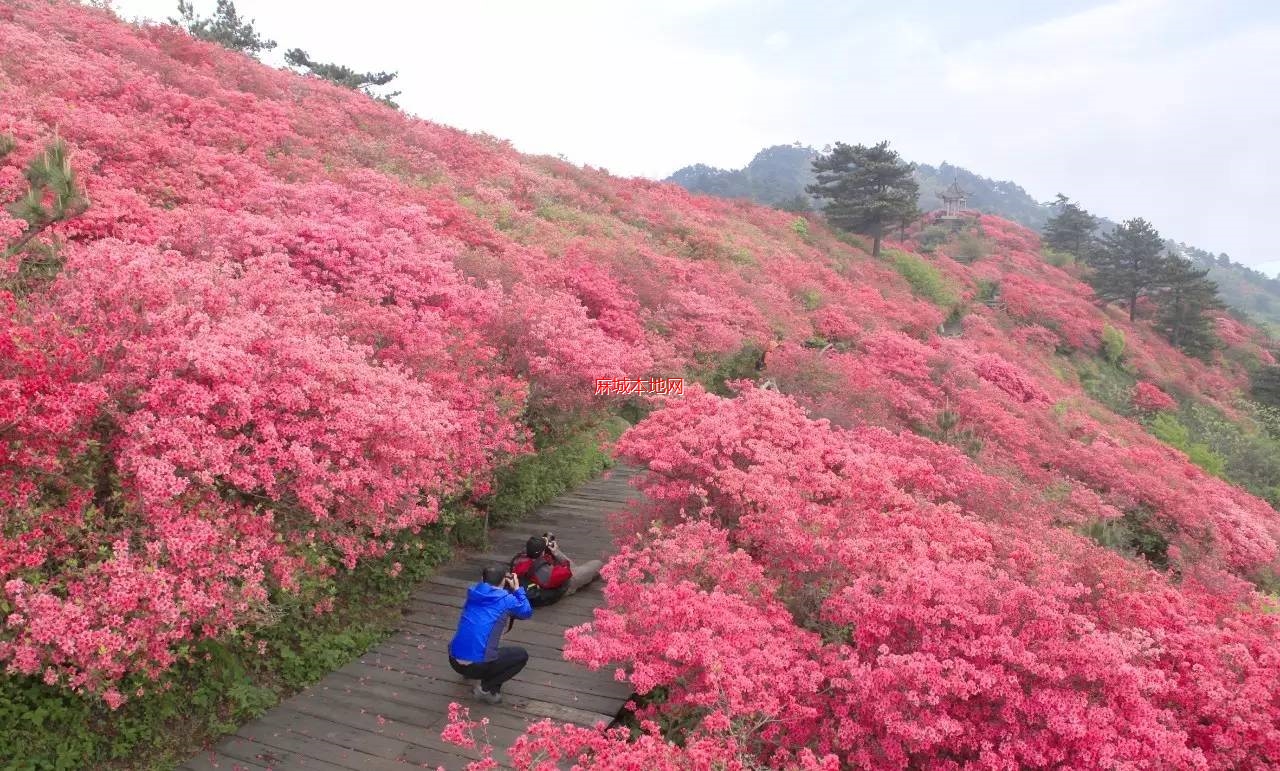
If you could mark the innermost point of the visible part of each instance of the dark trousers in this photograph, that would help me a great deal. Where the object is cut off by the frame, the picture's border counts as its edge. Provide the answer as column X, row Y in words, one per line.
column 492, row 674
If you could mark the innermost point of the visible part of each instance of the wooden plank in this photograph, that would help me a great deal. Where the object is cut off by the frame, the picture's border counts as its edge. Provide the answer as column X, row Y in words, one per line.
column 433, row 609
column 209, row 760
column 578, row 679
column 302, row 747
column 515, row 689
column 412, row 705
column 322, row 729
column 372, row 712
column 272, row 756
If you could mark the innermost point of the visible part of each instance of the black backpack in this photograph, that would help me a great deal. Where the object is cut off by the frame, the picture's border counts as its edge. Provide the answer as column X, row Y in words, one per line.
column 538, row 597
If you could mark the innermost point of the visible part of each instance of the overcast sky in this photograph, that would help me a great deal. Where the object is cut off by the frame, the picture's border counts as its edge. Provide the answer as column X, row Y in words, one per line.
column 1165, row 109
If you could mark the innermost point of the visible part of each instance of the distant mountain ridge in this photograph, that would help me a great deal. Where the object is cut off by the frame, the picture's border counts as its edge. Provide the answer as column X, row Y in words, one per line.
column 777, row 177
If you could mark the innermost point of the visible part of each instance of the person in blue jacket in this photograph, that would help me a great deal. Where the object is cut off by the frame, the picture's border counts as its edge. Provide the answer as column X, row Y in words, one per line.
column 474, row 651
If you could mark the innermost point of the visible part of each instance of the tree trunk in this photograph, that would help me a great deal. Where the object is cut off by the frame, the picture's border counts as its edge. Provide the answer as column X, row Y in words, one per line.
column 1133, row 306
column 104, row 483
column 875, row 245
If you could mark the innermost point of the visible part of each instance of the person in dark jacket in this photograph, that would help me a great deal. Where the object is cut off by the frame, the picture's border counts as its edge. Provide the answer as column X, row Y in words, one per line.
column 474, row 652
column 547, row 574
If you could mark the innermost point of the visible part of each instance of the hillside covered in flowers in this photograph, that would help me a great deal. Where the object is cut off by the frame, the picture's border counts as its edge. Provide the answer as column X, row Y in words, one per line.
column 934, row 510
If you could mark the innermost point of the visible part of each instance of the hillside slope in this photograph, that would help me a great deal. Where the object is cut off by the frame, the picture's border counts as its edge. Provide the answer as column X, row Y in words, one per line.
column 777, row 176
column 295, row 327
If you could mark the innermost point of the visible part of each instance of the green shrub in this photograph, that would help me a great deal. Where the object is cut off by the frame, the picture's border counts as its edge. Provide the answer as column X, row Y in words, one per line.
column 933, row 236
column 1172, row 432
column 988, row 291
column 1134, row 535
column 741, row 365
column 800, row 226
column 532, row 480
column 926, row 281
column 970, row 248
column 1113, row 345
column 1250, row 454
column 857, row 242
column 1056, row 258
column 811, row 299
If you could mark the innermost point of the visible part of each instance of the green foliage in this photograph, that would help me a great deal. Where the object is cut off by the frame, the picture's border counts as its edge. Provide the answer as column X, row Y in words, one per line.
column 1248, row 449
column 947, row 429
column 850, row 239
column 811, row 299
column 344, row 76
column 796, row 203
column 1070, row 231
column 933, row 236
column 970, row 247
column 1109, row 384
column 532, row 480
column 1264, row 385
column 7, row 145
column 1185, row 297
column 800, row 226
column 867, row 189
column 53, row 191
column 224, row 27
column 744, row 364
column 54, row 194
column 1113, row 345
column 988, row 291
column 1056, row 258
column 1134, row 535
column 1172, row 432
column 926, row 281
column 1128, row 264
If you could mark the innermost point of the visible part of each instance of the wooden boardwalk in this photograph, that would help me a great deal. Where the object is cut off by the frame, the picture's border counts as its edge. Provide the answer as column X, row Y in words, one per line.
column 386, row 709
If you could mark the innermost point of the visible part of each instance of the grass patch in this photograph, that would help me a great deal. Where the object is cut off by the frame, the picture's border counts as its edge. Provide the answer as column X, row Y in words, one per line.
column 926, row 281
column 1110, row 384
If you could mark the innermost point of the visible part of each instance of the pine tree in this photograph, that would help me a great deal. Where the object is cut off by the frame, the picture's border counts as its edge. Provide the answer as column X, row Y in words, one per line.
column 53, row 194
column 1128, row 264
column 344, row 76
column 1265, row 385
column 224, row 27
column 1185, row 297
column 868, row 189
column 1071, row 229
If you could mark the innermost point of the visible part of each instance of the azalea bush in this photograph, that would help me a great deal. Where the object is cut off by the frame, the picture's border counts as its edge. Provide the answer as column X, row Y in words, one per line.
column 926, row 628
column 286, row 330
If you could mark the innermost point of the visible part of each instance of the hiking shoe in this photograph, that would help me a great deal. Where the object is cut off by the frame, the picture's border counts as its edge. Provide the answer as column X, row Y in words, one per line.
column 485, row 696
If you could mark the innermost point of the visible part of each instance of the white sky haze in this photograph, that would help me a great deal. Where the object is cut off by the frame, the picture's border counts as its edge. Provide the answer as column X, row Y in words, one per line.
column 1165, row 109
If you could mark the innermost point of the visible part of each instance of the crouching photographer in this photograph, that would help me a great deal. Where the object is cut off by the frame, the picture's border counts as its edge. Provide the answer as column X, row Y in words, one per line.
column 547, row 575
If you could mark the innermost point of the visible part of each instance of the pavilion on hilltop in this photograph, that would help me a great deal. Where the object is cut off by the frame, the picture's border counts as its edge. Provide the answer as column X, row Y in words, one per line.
column 953, row 201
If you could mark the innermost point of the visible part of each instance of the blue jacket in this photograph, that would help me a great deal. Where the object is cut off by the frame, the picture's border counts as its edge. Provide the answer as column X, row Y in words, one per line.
column 483, row 620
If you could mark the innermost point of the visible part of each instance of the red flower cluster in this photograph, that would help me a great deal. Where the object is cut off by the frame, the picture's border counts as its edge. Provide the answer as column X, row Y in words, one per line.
column 1150, row 398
